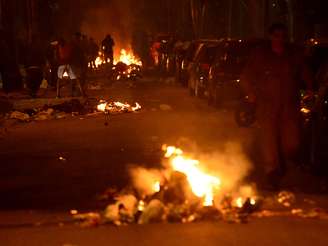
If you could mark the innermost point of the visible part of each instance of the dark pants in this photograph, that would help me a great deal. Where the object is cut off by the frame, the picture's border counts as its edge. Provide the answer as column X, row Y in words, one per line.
column 278, row 135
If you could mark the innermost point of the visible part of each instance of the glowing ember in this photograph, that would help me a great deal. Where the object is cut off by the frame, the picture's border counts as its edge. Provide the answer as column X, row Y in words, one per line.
column 117, row 107
column 202, row 184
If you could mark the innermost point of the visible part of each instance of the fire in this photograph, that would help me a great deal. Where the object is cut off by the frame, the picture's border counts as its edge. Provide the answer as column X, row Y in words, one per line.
column 203, row 185
column 99, row 60
column 141, row 205
column 127, row 58
column 157, row 186
column 115, row 107
column 240, row 201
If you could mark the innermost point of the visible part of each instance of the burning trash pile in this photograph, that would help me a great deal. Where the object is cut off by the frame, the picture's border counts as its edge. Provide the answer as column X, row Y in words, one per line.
column 181, row 192
column 125, row 67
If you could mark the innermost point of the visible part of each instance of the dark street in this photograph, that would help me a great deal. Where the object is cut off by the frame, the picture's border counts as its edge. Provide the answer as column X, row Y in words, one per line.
column 38, row 189
column 190, row 122
column 97, row 156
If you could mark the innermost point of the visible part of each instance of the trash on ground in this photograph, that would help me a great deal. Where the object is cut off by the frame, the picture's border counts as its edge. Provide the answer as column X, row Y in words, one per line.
column 73, row 107
column 19, row 116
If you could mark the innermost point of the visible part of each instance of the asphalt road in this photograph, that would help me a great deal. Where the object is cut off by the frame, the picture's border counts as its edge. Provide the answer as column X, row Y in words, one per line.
column 97, row 156
column 269, row 232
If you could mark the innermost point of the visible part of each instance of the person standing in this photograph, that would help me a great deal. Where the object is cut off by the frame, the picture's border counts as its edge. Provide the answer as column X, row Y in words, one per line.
column 272, row 80
column 93, row 52
column 107, row 46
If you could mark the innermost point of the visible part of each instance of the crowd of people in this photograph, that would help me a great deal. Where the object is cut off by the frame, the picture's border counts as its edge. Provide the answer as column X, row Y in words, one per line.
column 55, row 61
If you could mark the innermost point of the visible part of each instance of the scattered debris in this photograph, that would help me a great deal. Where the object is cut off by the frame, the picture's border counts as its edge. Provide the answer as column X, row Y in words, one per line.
column 74, row 107
column 44, row 115
column 60, row 115
column 19, row 116
column 152, row 213
column 88, row 219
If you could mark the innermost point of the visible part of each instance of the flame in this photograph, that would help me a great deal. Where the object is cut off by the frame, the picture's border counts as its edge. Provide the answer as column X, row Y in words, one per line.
column 99, row 61
column 104, row 106
column 128, row 58
column 157, row 186
column 240, row 201
column 141, row 205
column 203, row 185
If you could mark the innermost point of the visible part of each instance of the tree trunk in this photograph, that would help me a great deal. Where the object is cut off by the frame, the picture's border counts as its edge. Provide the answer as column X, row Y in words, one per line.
column 290, row 18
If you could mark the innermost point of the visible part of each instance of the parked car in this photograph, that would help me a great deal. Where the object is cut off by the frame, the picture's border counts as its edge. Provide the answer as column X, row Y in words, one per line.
column 226, row 69
column 199, row 67
column 185, row 56
column 315, row 112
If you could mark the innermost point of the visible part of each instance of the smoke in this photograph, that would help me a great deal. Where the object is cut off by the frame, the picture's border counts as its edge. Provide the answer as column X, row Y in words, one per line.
column 230, row 164
column 110, row 17
column 144, row 179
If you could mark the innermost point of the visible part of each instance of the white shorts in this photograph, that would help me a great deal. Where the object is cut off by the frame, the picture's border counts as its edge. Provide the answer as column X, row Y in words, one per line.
column 66, row 71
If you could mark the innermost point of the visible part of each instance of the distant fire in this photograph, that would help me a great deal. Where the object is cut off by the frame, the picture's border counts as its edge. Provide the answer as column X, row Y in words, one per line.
column 126, row 57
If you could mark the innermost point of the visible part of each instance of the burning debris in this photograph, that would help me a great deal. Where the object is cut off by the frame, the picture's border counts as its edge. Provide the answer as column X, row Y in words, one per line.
column 117, row 107
column 126, row 66
column 183, row 191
